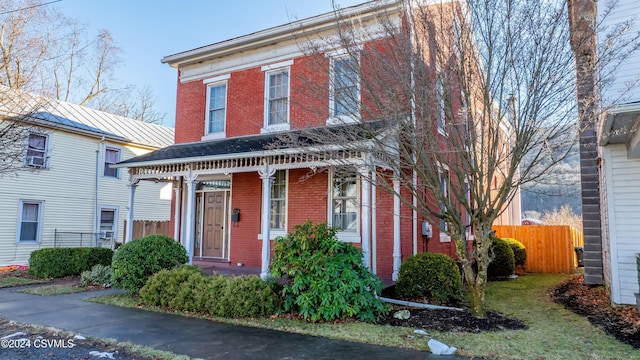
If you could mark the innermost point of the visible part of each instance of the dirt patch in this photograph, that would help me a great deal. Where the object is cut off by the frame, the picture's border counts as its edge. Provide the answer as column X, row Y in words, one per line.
column 623, row 322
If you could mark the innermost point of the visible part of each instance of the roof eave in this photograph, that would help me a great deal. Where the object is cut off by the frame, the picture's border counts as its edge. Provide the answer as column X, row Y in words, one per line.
column 279, row 33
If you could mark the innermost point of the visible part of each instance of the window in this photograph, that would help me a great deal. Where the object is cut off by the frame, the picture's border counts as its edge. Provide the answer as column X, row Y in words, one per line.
column 444, row 185
column 277, row 89
column 216, row 115
column 345, row 88
column 279, row 201
column 30, row 229
column 108, row 221
column 440, row 96
column 344, row 207
column 111, row 156
column 36, row 150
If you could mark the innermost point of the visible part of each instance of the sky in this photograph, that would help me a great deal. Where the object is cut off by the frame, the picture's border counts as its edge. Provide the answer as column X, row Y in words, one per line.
column 148, row 30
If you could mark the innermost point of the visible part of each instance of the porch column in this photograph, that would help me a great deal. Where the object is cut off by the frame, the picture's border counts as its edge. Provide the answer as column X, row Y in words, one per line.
column 189, row 223
column 176, row 209
column 374, row 225
column 366, row 218
column 133, row 184
column 397, row 254
column 266, row 175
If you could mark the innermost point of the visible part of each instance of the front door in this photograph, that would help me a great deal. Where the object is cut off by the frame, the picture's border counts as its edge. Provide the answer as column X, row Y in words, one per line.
column 214, row 221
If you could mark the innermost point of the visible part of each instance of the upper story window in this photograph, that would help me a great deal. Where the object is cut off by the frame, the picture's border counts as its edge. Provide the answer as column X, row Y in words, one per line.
column 277, row 97
column 111, row 156
column 216, row 114
column 441, row 99
column 279, row 201
column 344, row 203
column 344, row 98
column 217, row 108
column 30, row 229
column 37, row 150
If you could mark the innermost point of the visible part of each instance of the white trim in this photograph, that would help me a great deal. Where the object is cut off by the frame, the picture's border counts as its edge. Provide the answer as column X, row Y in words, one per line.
column 116, row 219
column 104, row 161
column 38, row 239
column 276, row 127
column 342, row 119
column 218, row 134
column 345, row 236
column 277, row 65
column 215, row 79
column 28, row 160
column 614, row 265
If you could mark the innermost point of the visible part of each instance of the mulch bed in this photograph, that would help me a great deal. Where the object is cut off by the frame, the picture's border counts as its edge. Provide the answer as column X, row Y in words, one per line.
column 593, row 302
column 453, row 320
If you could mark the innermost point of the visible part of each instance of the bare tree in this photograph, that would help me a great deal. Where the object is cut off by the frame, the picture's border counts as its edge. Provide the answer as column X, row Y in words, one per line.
column 47, row 53
column 18, row 120
column 138, row 104
column 468, row 89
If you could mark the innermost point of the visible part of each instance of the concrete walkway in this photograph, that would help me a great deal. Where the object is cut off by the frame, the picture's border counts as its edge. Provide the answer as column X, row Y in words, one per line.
column 193, row 337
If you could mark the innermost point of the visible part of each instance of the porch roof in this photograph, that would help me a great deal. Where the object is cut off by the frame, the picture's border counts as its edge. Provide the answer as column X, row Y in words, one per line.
column 294, row 141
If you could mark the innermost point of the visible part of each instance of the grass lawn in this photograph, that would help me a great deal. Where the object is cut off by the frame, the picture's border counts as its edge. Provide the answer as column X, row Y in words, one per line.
column 11, row 281
column 554, row 333
column 51, row 290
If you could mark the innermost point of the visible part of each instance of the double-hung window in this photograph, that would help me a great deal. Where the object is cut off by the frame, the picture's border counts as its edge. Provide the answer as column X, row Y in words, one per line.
column 345, row 89
column 36, row 150
column 108, row 221
column 277, row 97
column 217, row 110
column 30, row 223
column 278, row 217
column 111, row 156
column 345, row 202
column 441, row 103
column 444, row 187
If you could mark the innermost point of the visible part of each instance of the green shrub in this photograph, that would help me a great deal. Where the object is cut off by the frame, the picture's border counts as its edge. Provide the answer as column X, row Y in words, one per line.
column 503, row 263
column 325, row 278
column 99, row 275
column 186, row 288
column 61, row 262
column 435, row 277
column 519, row 251
column 136, row 261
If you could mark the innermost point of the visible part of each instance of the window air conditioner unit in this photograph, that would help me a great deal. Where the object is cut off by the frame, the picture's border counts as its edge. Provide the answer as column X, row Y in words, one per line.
column 106, row 235
column 36, row 161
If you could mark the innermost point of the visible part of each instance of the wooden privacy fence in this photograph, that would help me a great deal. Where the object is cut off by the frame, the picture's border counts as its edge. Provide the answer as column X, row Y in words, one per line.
column 550, row 248
column 142, row 228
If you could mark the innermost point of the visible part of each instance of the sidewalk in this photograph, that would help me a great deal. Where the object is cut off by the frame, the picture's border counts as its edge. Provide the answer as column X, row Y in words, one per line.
column 193, row 337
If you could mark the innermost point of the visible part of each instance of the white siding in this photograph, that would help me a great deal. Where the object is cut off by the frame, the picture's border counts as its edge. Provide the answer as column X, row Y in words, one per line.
column 628, row 71
column 67, row 188
column 622, row 208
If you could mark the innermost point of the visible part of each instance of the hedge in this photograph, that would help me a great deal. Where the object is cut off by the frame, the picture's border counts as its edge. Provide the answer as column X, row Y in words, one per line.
column 61, row 262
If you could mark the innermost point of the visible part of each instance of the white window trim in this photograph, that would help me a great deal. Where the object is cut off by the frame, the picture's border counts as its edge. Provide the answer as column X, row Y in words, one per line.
column 440, row 113
column 116, row 210
column 104, row 161
column 333, row 119
column 344, row 236
column 268, row 70
column 273, row 233
column 46, row 150
column 214, row 82
column 40, row 203
column 444, row 237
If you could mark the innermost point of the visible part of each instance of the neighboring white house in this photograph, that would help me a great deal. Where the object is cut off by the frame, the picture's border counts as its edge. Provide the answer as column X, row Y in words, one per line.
column 66, row 191
column 620, row 169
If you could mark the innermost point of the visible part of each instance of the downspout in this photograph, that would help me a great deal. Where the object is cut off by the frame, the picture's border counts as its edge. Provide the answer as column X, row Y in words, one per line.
column 374, row 226
column 95, row 199
column 414, row 174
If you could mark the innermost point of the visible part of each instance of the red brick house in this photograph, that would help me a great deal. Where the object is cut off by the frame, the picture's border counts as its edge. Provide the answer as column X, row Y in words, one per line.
column 234, row 188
